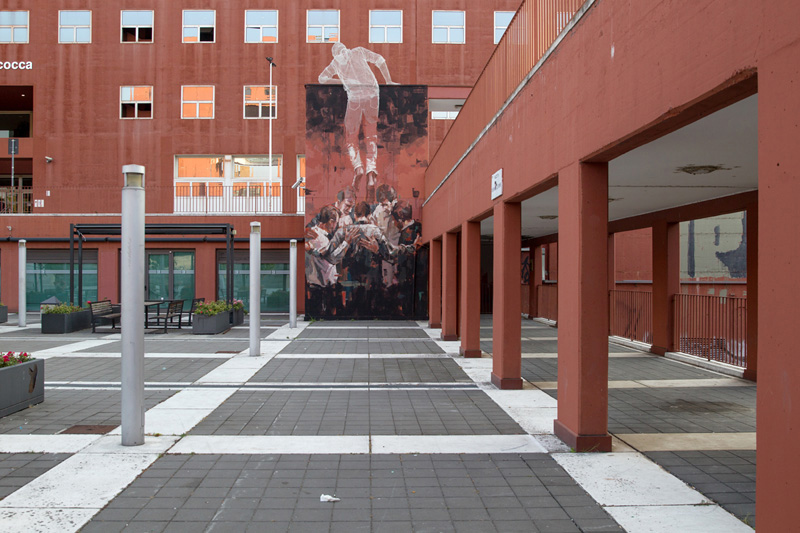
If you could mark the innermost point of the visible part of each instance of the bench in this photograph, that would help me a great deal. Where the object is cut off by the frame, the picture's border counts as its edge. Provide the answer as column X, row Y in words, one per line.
column 174, row 311
column 102, row 312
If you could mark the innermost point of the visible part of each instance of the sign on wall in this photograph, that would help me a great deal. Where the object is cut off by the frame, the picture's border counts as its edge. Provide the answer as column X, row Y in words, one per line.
column 497, row 184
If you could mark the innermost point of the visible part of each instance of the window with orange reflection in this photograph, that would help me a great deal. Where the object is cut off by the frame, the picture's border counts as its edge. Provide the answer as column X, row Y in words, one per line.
column 136, row 102
column 260, row 101
column 261, row 26
column 322, row 25
column 197, row 101
column 201, row 167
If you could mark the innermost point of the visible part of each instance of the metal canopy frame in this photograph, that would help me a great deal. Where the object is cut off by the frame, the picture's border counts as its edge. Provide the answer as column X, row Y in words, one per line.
column 82, row 230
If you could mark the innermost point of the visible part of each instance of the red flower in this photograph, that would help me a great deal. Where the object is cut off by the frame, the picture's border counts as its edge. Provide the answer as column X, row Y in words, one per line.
column 6, row 358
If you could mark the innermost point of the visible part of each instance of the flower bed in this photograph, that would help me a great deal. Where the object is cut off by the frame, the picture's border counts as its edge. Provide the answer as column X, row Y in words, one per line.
column 211, row 318
column 65, row 318
column 21, row 382
column 237, row 316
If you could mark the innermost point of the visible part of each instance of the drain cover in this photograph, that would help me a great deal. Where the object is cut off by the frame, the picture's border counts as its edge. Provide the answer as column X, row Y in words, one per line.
column 88, row 430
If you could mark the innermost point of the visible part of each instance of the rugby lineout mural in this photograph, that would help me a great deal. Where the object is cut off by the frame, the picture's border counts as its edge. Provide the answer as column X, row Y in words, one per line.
column 366, row 154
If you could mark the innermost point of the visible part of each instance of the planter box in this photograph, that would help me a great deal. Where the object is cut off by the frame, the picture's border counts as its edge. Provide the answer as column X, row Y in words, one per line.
column 66, row 323
column 211, row 325
column 21, row 386
column 237, row 317
column 3, row 313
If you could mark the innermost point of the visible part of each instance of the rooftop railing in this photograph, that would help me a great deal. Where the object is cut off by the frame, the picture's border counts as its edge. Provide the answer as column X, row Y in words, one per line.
column 535, row 27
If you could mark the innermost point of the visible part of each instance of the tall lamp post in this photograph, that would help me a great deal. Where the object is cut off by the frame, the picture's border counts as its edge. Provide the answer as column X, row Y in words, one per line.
column 132, row 297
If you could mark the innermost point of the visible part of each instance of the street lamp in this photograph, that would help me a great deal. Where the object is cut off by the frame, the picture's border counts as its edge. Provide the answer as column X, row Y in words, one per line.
column 132, row 299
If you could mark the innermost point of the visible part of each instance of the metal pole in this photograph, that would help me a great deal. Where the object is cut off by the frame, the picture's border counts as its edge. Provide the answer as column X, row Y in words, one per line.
column 23, row 271
column 293, row 283
column 255, row 288
column 132, row 320
column 271, row 114
column 13, row 194
column 79, row 301
column 72, row 262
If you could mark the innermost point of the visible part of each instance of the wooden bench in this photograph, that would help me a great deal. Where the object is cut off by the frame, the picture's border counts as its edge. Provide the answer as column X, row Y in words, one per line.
column 174, row 311
column 195, row 303
column 102, row 312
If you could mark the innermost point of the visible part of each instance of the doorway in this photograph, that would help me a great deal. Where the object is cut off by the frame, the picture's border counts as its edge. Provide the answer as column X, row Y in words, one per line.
column 170, row 276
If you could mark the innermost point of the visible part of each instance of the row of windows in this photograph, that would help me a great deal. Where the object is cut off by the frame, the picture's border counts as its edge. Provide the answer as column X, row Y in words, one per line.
column 260, row 26
column 197, row 101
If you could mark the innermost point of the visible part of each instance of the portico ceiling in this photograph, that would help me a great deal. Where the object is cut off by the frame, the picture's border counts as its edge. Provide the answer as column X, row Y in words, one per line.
column 714, row 157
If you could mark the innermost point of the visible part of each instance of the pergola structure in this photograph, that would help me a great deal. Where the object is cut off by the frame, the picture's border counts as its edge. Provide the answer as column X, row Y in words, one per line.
column 178, row 231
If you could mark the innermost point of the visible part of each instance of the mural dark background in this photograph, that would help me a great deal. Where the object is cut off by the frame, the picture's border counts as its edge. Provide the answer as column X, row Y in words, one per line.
column 368, row 283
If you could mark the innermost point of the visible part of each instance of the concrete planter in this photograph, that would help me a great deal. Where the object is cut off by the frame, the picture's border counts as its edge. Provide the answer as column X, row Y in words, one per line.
column 237, row 318
column 66, row 323
column 211, row 325
column 3, row 313
column 21, row 386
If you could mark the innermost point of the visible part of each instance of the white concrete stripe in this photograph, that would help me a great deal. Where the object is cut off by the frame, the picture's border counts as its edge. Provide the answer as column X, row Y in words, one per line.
column 236, row 370
column 671, row 518
column 45, row 443
column 246, row 444
column 456, row 444
column 44, row 520
column 362, row 356
column 627, row 479
column 71, row 348
column 532, row 409
column 84, row 481
column 479, row 370
column 285, row 332
column 151, row 355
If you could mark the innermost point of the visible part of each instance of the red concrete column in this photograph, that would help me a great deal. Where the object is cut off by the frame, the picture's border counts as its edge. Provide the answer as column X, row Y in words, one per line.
column 507, row 322
column 612, row 262
column 751, row 371
column 666, row 284
column 536, row 279
column 582, row 421
column 108, row 272
column 9, row 284
column 435, row 285
column 450, row 287
column 778, row 476
column 470, row 314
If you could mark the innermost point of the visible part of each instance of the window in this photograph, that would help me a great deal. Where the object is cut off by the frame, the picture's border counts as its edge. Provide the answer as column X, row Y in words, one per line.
column 260, row 101
column 444, row 115
column 261, row 26
column 301, row 189
column 137, row 27
column 385, row 26
column 48, row 275
column 197, row 101
column 136, row 102
column 501, row 21
column 74, row 26
column 323, row 26
column 198, row 26
column 448, row 27
column 13, row 26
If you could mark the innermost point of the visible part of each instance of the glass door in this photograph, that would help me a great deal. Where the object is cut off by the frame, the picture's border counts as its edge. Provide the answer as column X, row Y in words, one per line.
column 170, row 276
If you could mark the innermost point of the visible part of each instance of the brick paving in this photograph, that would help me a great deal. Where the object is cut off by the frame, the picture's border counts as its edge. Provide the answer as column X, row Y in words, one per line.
column 629, row 368
column 184, row 370
column 19, row 469
column 361, row 371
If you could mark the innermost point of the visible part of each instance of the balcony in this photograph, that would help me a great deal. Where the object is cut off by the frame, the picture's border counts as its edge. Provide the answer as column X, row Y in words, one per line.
column 211, row 198
column 16, row 200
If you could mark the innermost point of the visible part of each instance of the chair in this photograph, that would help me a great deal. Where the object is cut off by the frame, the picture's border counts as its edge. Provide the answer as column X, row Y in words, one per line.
column 174, row 310
column 195, row 303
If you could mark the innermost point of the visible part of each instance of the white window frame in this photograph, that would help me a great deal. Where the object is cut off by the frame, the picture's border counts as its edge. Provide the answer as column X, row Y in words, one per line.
column 184, row 26
column 13, row 27
column 448, row 28
column 74, row 27
column 386, row 27
column 135, row 102
column 122, row 26
column 444, row 115
column 504, row 28
column 262, row 26
column 273, row 107
column 301, row 189
column 198, row 102
column 323, row 26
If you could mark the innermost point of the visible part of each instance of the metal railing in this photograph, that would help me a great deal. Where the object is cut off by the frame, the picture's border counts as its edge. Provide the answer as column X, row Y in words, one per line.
column 16, row 200
column 631, row 315
column 533, row 30
column 216, row 198
column 547, row 300
column 712, row 327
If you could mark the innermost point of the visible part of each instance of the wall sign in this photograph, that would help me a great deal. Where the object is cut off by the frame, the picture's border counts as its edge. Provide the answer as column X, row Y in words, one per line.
column 16, row 65
column 497, row 184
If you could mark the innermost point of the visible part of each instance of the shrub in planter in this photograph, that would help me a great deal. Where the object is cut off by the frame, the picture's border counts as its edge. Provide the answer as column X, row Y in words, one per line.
column 211, row 318
column 3, row 313
column 237, row 317
column 21, row 382
column 65, row 318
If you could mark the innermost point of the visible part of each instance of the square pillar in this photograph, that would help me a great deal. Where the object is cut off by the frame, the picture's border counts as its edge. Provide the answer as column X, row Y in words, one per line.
column 666, row 284
column 612, row 262
column 536, row 279
column 582, row 421
column 450, row 287
column 507, row 318
column 751, row 236
column 470, row 289
column 778, row 475
column 435, row 286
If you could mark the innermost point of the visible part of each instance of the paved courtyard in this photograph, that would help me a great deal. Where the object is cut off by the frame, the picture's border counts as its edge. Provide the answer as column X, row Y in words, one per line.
column 380, row 415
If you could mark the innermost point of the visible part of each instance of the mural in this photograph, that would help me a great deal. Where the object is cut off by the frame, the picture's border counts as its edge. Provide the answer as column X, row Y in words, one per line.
column 366, row 154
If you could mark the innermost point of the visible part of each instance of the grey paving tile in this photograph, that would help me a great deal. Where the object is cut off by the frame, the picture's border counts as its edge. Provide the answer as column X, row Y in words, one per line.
column 159, row 369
